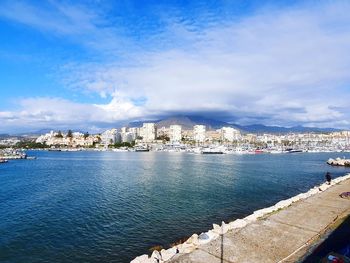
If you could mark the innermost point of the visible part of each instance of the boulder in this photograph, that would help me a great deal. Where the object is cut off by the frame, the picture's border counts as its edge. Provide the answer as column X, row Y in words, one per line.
column 186, row 248
column 168, row 253
column 193, row 240
column 156, row 255
column 141, row 259
column 239, row 223
column 224, row 227
column 217, row 229
column 212, row 235
column 330, row 161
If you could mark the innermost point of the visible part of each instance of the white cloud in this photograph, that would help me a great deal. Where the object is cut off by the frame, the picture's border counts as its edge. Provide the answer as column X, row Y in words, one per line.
column 290, row 65
column 55, row 113
column 283, row 67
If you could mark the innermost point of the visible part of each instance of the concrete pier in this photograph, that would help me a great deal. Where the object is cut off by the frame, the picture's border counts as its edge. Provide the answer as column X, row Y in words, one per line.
column 283, row 236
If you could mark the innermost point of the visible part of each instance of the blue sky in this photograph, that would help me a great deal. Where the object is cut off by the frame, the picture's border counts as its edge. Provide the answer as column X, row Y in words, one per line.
column 95, row 64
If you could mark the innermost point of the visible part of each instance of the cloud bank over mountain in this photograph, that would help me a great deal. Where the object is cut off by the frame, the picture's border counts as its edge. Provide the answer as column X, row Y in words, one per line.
column 286, row 66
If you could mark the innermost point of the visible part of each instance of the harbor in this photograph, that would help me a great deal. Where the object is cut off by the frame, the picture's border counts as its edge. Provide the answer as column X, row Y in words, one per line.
column 135, row 201
column 12, row 154
column 298, row 223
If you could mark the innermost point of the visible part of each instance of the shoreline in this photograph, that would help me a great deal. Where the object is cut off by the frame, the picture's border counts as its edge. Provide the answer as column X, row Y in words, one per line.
column 196, row 241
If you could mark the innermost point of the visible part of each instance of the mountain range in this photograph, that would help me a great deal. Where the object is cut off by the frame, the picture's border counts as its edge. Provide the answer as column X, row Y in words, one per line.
column 187, row 122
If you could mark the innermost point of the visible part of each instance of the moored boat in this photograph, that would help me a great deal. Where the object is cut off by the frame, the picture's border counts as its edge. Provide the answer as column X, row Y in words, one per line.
column 211, row 151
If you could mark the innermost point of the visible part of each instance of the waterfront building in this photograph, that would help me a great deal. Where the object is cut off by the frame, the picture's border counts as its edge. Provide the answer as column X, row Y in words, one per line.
column 135, row 132
column 148, row 132
column 229, row 134
column 77, row 139
column 109, row 137
column 175, row 133
column 127, row 137
column 199, row 133
column 163, row 131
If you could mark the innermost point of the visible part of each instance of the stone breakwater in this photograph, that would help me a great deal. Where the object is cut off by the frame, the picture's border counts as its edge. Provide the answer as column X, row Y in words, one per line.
column 195, row 241
column 339, row 162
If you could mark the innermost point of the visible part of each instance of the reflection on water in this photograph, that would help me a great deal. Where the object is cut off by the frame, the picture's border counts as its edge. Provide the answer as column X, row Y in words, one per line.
column 113, row 206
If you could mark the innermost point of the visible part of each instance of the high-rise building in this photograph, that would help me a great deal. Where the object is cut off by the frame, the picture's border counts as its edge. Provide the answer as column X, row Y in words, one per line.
column 127, row 137
column 175, row 133
column 199, row 133
column 148, row 132
column 229, row 134
column 109, row 137
column 135, row 132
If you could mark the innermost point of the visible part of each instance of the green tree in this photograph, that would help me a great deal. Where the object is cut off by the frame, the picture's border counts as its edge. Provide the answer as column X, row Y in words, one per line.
column 59, row 135
column 31, row 145
column 164, row 138
column 86, row 134
column 69, row 134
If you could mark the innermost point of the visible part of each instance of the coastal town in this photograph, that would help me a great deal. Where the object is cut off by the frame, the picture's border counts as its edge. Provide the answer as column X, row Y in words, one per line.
column 174, row 138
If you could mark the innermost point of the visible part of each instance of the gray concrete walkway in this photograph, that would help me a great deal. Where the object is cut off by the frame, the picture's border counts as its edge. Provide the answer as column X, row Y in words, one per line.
column 283, row 236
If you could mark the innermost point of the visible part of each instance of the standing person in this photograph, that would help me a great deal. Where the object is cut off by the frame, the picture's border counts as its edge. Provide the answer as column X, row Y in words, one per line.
column 328, row 178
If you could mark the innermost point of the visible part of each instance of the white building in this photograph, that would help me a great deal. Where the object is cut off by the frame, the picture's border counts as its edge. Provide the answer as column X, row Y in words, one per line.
column 229, row 134
column 148, row 132
column 127, row 137
column 199, row 133
column 175, row 133
column 109, row 137
column 77, row 139
column 135, row 132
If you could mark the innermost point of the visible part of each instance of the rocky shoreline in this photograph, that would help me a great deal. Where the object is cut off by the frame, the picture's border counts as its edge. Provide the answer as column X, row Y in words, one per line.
column 196, row 240
column 339, row 162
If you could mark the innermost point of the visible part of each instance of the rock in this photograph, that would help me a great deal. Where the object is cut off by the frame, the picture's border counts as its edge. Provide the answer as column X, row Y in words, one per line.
column 250, row 218
column 168, row 253
column 239, row 223
column 217, row 229
column 206, row 237
column 212, row 235
column 141, row 259
column 283, row 204
column 330, row 161
column 193, row 240
column 224, row 227
column 338, row 162
column 263, row 212
column 295, row 199
column 186, row 248
column 156, row 255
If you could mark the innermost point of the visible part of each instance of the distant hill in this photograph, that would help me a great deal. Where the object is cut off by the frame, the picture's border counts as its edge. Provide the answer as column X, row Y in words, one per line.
column 4, row 136
column 187, row 122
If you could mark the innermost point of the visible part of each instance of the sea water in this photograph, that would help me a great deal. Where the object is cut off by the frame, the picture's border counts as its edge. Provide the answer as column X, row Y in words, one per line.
column 113, row 206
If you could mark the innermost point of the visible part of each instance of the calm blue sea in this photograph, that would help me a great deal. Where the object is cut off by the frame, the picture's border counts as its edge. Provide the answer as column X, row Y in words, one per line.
column 111, row 207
